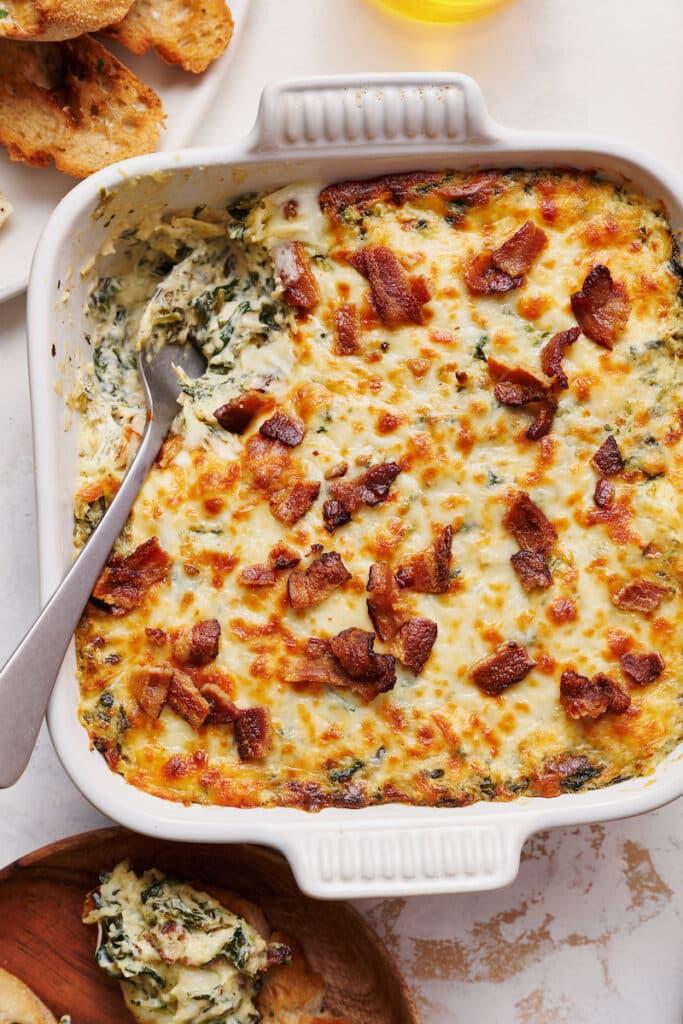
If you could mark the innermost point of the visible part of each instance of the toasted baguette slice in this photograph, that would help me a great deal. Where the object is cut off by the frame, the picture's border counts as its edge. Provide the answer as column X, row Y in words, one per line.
column 292, row 993
column 18, row 1005
column 73, row 103
column 191, row 33
column 52, row 20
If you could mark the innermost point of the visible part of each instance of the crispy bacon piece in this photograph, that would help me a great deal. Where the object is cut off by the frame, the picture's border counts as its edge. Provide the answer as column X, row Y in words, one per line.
column 319, row 666
column 517, row 388
column 529, row 526
column 641, row 596
column 601, row 307
column 499, row 271
column 257, row 576
column 186, row 700
column 553, row 353
column 608, row 458
column 199, row 644
column 429, row 571
column 483, row 278
column 293, row 267
column 157, row 637
column 603, row 496
column 414, row 643
column 370, row 488
column 582, row 697
column 321, row 577
column 280, row 427
column 282, row 557
column 392, row 295
column 151, row 688
column 290, row 503
column 222, row 711
column 508, row 664
column 390, row 188
column 236, row 415
column 642, row 668
column 476, row 191
column 124, row 582
column 253, row 733
column 354, row 650
column 517, row 254
column 385, row 606
column 347, row 329
column 532, row 569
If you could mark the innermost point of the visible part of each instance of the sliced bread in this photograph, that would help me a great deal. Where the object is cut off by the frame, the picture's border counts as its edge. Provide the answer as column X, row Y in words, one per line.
column 49, row 20
column 75, row 104
column 191, row 33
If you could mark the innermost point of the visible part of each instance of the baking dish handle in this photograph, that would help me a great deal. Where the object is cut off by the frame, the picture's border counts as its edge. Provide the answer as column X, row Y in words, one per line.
column 383, row 110
column 405, row 859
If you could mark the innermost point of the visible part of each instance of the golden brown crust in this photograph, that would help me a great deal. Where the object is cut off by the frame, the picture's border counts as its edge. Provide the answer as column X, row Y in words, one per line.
column 191, row 33
column 19, row 1004
column 74, row 104
column 54, row 20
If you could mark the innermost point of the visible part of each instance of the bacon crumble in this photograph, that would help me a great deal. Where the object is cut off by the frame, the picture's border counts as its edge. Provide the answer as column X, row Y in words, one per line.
column 320, row 666
column 508, row 664
column 603, row 496
column 529, row 526
column 222, row 711
column 553, row 353
column 518, row 388
column 582, row 697
column 186, row 700
column 124, row 582
column 601, row 307
column 642, row 668
column 151, row 688
column 354, row 650
column 290, row 503
column 237, row 414
column 641, row 596
column 281, row 427
column 293, row 267
column 198, row 645
column 414, row 642
column 322, row 576
column 370, row 488
column 253, row 733
column 429, row 571
column 608, row 459
column 385, row 606
column 347, row 329
column 504, row 268
column 475, row 192
column 392, row 295
column 390, row 188
column 532, row 570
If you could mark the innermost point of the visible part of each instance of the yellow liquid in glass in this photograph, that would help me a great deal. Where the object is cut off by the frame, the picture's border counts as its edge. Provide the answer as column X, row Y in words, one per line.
column 443, row 11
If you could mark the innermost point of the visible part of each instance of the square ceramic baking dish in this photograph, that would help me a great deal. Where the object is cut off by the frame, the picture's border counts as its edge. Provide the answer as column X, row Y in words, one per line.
column 331, row 129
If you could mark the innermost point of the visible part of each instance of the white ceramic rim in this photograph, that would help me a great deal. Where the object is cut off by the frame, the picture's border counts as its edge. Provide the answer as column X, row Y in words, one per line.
column 376, row 851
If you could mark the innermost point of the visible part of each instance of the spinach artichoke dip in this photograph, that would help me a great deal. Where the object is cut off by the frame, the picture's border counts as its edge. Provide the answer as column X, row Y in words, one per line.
column 414, row 535
column 178, row 954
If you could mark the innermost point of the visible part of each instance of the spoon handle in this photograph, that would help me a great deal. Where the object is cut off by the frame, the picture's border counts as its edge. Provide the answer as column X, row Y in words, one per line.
column 27, row 679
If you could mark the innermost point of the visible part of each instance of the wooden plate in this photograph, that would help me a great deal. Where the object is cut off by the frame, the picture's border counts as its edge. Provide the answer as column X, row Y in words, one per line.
column 43, row 941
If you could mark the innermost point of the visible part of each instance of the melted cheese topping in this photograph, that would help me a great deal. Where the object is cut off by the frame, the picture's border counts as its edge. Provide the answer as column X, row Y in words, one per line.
column 420, row 396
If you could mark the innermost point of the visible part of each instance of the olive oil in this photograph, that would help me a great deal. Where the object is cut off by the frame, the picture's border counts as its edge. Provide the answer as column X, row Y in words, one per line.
column 443, row 11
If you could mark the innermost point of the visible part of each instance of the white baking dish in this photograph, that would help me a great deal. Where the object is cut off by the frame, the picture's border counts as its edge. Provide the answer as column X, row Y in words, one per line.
column 327, row 128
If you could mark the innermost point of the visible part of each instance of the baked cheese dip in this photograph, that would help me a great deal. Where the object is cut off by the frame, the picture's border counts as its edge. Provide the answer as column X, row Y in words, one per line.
column 414, row 535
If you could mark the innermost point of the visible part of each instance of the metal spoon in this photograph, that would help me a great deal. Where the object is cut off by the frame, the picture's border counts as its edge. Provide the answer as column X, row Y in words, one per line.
column 27, row 679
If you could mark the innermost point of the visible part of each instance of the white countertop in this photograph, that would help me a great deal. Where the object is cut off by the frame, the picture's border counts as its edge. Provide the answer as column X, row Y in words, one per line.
column 590, row 931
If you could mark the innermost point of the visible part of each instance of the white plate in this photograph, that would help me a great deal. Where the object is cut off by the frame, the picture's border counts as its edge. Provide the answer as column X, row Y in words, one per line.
column 34, row 191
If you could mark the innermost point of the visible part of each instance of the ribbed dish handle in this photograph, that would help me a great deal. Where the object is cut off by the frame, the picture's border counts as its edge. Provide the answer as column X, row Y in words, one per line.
column 402, row 859
column 383, row 110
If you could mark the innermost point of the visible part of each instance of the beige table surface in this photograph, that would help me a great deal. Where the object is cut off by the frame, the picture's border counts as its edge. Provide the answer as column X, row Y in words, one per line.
column 590, row 932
